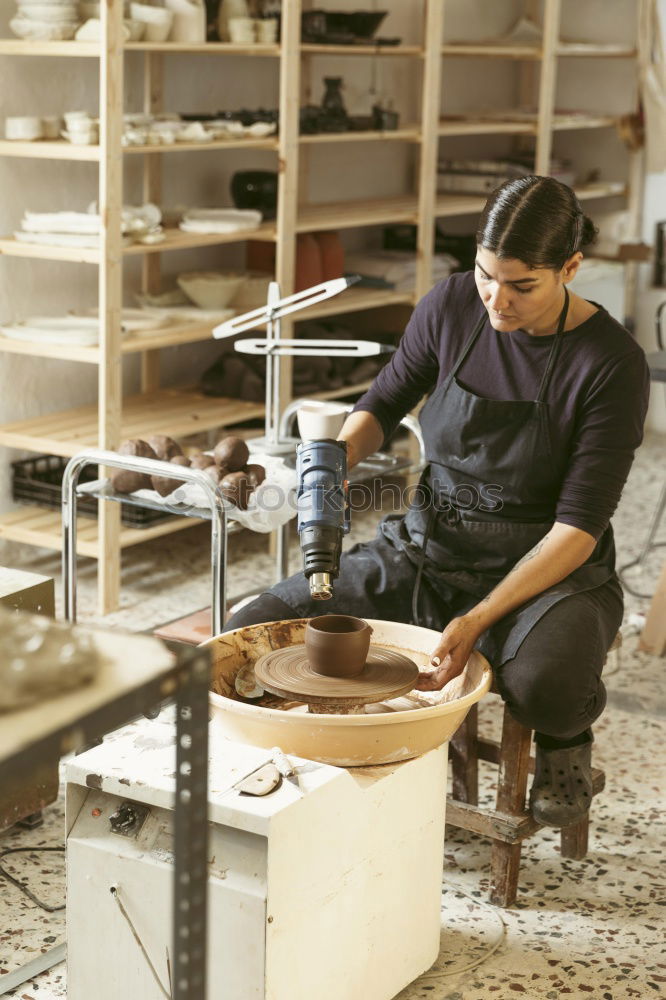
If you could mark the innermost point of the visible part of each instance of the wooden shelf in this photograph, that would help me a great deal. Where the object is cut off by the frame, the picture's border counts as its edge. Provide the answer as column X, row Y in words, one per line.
column 487, row 126
column 37, row 526
column 175, row 240
column 345, row 390
column 356, row 300
column 493, row 51
column 361, row 50
column 408, row 133
column 209, row 48
column 49, row 150
column 176, row 412
column 348, row 214
column 352, row 300
column 458, row 204
column 269, row 142
column 596, row 51
column 19, row 47
column 601, row 189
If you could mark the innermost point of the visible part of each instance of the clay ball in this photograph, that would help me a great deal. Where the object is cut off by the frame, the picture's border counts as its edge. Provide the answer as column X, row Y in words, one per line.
column 164, row 447
column 201, row 461
column 164, row 484
column 255, row 474
column 124, row 481
column 232, row 452
column 236, row 488
column 213, row 473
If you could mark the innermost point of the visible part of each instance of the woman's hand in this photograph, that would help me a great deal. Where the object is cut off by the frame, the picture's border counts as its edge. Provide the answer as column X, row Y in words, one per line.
column 451, row 654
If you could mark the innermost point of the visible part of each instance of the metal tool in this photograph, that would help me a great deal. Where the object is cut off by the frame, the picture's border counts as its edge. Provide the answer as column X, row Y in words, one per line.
column 323, row 511
column 274, row 347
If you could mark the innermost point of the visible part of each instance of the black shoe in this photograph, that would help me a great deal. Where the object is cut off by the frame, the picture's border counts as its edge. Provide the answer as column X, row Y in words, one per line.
column 561, row 792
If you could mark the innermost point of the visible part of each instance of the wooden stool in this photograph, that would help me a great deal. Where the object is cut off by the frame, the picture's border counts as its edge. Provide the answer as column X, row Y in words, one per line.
column 509, row 823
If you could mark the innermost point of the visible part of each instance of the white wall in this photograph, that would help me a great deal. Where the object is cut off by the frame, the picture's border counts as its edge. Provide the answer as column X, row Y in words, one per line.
column 204, row 83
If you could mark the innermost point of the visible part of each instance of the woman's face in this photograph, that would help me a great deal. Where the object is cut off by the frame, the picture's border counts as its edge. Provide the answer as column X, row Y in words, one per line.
column 518, row 297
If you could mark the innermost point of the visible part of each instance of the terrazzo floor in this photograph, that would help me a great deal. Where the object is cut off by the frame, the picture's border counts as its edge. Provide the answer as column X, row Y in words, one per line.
column 579, row 929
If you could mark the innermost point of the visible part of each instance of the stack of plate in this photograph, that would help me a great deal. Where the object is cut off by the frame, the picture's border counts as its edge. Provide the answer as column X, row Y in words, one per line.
column 45, row 20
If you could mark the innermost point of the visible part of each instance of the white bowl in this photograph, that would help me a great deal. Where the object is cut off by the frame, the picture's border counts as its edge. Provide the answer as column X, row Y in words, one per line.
column 25, row 128
column 210, row 289
column 82, row 138
column 47, row 13
column 43, row 31
column 137, row 29
column 158, row 21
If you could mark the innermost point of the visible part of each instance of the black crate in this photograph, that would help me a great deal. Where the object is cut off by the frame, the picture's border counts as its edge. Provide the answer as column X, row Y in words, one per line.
column 38, row 481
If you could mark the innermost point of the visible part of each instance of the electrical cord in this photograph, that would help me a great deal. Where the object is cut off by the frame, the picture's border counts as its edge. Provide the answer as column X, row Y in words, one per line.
column 499, row 940
column 21, row 885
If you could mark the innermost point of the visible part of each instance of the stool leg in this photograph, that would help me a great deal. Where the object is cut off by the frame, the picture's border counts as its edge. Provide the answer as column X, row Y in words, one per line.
column 511, row 790
column 465, row 759
column 573, row 840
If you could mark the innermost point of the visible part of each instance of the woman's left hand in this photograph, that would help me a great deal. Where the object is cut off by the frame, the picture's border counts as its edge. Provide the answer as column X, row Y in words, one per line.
column 451, row 654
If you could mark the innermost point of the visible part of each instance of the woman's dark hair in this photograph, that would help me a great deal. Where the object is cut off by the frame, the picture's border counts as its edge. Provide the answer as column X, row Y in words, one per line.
column 536, row 220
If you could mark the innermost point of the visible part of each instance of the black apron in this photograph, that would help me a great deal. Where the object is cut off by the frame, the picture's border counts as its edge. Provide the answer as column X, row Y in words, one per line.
column 455, row 533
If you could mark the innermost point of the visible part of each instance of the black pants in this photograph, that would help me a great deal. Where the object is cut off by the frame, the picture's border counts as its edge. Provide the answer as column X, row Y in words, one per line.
column 553, row 683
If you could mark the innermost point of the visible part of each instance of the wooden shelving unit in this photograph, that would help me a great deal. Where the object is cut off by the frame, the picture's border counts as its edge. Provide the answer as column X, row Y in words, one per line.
column 179, row 412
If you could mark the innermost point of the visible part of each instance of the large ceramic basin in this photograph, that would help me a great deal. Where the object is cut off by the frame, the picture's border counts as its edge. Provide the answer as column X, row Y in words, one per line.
column 386, row 733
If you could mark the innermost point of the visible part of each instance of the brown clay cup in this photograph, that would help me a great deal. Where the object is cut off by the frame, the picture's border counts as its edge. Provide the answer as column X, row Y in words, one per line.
column 337, row 645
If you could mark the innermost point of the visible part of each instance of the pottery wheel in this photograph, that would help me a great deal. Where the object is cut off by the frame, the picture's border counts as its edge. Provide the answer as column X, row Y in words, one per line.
column 287, row 673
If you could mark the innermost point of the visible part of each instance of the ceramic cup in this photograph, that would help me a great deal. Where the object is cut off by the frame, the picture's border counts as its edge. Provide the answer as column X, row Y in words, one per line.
column 337, row 645
column 74, row 118
column 24, row 127
column 241, row 30
column 319, row 420
column 82, row 137
column 266, row 30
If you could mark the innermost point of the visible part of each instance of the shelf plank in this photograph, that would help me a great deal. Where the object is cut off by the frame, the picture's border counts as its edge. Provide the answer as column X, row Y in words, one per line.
column 597, row 51
column 480, row 126
column 269, row 142
column 408, row 133
column 36, row 526
column 356, row 300
column 492, row 51
column 209, row 48
column 20, row 47
column 601, row 189
column 48, row 150
column 348, row 214
column 62, row 352
column 345, row 390
column 458, row 204
column 310, row 48
column 176, row 412
column 76, row 255
column 175, row 240
column 484, row 127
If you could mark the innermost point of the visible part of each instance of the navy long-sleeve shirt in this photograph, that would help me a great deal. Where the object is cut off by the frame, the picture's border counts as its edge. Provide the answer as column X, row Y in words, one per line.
column 597, row 396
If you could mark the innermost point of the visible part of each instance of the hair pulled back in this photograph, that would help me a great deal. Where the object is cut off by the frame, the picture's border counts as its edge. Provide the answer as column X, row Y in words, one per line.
column 537, row 220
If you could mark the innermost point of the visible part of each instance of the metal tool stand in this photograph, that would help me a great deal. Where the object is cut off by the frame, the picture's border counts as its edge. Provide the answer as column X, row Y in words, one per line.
column 215, row 512
column 273, row 347
column 186, row 676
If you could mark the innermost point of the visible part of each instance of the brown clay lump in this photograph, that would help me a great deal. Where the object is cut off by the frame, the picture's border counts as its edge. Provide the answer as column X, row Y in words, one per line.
column 165, row 484
column 255, row 474
column 201, row 461
column 164, row 447
column 124, row 481
column 232, row 452
column 236, row 488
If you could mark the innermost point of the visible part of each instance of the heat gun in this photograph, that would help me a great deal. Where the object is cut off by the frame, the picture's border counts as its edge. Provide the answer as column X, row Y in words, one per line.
column 323, row 511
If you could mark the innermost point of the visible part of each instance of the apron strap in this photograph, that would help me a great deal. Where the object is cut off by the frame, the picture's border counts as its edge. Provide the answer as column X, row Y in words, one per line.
column 474, row 336
column 554, row 351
